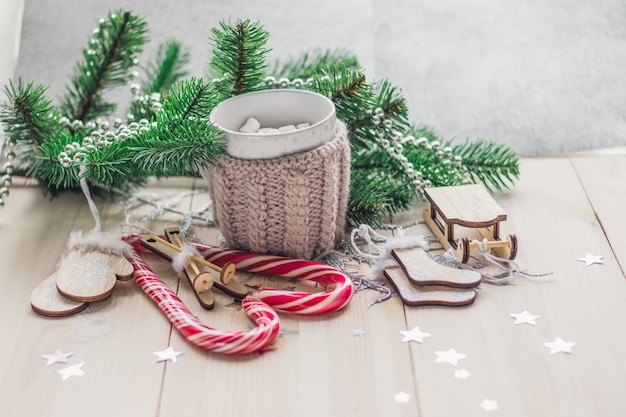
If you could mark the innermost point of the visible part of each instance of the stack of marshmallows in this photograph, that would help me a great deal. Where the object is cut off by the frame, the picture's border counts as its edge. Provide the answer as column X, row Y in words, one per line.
column 252, row 125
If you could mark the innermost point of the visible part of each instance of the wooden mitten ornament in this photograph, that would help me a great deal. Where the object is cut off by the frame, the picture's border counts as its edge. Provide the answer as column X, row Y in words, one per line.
column 420, row 269
column 427, row 295
column 94, row 264
column 46, row 300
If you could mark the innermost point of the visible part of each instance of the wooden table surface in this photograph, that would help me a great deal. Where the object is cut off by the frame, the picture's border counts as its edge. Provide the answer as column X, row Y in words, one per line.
column 561, row 209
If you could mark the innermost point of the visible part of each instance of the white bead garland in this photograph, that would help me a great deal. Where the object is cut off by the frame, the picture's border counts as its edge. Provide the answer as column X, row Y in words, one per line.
column 393, row 143
column 7, row 178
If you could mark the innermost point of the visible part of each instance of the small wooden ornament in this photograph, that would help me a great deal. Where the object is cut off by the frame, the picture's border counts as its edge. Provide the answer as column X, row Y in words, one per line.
column 200, row 278
column 95, row 262
column 470, row 207
column 91, row 276
column 46, row 300
column 168, row 251
column 227, row 272
column 427, row 295
column 420, row 269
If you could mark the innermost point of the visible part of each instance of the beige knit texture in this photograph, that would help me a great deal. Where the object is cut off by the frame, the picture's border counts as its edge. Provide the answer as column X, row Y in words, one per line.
column 293, row 206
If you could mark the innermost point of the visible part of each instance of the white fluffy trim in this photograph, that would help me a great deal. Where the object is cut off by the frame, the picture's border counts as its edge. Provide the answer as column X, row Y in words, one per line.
column 401, row 243
column 99, row 242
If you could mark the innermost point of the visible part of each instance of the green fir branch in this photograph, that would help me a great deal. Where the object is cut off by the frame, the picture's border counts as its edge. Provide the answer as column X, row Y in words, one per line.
column 239, row 57
column 390, row 100
column 191, row 98
column 50, row 172
column 29, row 118
column 111, row 54
column 161, row 73
column 112, row 167
column 494, row 165
column 348, row 89
column 375, row 196
column 167, row 68
column 312, row 63
column 178, row 148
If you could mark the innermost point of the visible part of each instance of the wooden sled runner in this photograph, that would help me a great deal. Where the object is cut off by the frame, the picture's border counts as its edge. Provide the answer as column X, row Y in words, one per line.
column 469, row 206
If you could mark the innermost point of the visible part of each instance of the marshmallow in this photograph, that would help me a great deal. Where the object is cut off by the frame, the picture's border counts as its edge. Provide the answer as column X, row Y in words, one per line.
column 288, row 128
column 252, row 125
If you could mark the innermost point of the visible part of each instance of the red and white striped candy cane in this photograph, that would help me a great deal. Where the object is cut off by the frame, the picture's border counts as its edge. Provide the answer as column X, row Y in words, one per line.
column 235, row 342
column 297, row 302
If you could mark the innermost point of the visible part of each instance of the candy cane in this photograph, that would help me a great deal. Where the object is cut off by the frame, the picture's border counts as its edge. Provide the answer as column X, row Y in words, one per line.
column 236, row 342
column 289, row 301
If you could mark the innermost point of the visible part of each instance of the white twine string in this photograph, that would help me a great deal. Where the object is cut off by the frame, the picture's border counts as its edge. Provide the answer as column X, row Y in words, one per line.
column 509, row 274
column 92, row 205
column 484, row 250
column 365, row 232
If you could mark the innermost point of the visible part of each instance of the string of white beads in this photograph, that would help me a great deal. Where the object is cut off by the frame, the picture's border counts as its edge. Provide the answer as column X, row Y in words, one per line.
column 394, row 143
column 100, row 138
column 7, row 178
column 282, row 82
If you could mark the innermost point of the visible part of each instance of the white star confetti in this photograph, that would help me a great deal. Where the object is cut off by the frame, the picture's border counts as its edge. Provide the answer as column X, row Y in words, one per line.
column 462, row 374
column 358, row 332
column 560, row 346
column 402, row 397
column 590, row 259
column 414, row 335
column 168, row 354
column 525, row 318
column 57, row 357
column 450, row 356
column 74, row 370
column 489, row 405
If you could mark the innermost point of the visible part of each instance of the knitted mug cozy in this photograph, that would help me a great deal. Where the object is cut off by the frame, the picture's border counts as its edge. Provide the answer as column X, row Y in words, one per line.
column 293, row 206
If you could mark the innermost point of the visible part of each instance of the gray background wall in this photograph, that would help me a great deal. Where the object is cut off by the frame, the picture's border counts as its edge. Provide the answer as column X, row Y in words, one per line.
column 544, row 76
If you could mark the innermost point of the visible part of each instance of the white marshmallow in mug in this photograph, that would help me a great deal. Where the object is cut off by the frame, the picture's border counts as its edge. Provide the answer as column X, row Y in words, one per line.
column 253, row 126
column 288, row 128
column 268, row 131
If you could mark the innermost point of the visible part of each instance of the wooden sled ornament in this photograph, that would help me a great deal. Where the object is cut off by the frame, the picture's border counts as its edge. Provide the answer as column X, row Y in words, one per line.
column 469, row 206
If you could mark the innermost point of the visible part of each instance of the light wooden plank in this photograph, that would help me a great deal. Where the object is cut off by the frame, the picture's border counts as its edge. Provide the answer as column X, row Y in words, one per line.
column 319, row 367
column 508, row 363
column 604, row 180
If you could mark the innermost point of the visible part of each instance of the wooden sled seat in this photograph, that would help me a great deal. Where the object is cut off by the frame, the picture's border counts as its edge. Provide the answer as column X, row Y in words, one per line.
column 470, row 206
